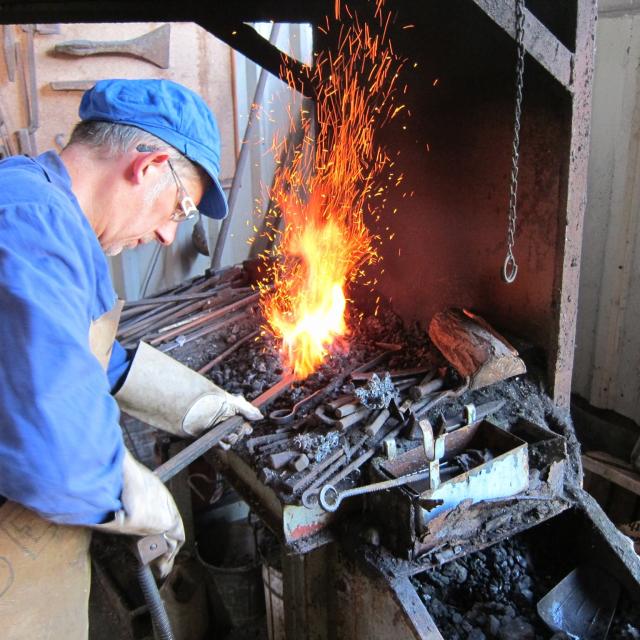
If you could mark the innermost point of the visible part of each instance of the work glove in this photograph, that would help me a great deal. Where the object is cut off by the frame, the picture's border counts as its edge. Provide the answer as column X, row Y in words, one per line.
column 165, row 394
column 147, row 509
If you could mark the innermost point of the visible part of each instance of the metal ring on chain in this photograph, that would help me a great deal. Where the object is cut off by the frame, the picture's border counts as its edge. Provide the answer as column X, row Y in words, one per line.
column 509, row 269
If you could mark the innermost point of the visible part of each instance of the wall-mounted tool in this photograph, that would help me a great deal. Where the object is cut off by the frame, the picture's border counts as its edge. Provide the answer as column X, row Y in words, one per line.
column 7, row 145
column 9, row 50
column 22, row 134
column 48, row 29
column 72, row 85
column 33, row 104
column 153, row 47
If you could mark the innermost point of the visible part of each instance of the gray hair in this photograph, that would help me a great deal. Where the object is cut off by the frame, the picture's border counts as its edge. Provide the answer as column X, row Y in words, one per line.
column 113, row 139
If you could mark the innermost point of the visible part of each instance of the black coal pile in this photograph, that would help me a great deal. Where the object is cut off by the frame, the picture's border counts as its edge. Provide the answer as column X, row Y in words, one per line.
column 492, row 594
column 256, row 366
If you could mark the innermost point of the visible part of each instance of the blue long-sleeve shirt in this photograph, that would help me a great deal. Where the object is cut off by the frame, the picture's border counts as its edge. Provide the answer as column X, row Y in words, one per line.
column 61, row 446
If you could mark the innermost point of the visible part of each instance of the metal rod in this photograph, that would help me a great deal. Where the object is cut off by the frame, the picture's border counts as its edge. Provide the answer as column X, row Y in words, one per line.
column 277, row 390
column 147, row 320
column 198, row 447
column 243, row 157
column 207, row 367
column 203, row 331
column 181, row 297
column 210, row 316
column 401, row 373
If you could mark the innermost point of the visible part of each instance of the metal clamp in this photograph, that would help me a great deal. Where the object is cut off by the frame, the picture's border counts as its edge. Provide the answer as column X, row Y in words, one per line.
column 149, row 548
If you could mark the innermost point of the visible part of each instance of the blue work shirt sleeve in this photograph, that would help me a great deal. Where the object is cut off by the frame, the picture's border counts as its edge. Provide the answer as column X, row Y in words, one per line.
column 119, row 365
column 61, row 447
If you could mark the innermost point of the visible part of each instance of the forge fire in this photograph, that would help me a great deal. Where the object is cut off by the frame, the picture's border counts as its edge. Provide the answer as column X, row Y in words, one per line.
column 336, row 182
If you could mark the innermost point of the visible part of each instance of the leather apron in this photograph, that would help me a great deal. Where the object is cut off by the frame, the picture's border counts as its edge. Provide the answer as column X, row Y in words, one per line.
column 45, row 569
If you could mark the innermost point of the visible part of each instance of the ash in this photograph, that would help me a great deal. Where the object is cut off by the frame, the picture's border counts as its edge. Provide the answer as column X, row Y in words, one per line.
column 316, row 445
column 377, row 394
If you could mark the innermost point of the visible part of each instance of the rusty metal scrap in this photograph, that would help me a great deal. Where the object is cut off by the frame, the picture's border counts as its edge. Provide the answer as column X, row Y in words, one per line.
column 353, row 418
column 393, row 374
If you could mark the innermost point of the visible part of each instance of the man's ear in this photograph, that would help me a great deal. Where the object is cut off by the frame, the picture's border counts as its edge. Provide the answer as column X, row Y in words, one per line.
column 147, row 165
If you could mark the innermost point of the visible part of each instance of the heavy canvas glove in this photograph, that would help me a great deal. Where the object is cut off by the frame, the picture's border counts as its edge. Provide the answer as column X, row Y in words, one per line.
column 147, row 509
column 165, row 394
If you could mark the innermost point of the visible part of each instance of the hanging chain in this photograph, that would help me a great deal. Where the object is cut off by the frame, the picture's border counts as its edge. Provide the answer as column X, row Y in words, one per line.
column 510, row 267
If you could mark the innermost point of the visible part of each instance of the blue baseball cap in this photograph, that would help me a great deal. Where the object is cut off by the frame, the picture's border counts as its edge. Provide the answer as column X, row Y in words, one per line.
column 171, row 112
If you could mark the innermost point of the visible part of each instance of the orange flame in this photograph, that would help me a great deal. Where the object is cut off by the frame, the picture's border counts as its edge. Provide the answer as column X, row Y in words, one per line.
column 325, row 191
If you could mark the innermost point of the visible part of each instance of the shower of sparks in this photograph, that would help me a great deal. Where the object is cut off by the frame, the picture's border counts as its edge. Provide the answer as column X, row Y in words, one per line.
column 332, row 183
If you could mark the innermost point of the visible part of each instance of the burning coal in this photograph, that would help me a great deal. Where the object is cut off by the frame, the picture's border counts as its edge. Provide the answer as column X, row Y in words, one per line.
column 333, row 184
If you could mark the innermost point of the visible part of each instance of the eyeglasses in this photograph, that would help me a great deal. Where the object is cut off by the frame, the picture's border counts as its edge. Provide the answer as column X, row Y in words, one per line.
column 186, row 209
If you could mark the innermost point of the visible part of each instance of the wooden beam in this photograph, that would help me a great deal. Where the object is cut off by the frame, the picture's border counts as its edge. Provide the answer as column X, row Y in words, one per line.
column 629, row 480
column 572, row 209
column 539, row 42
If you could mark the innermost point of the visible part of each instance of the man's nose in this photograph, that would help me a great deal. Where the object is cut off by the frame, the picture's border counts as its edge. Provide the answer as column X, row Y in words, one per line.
column 166, row 233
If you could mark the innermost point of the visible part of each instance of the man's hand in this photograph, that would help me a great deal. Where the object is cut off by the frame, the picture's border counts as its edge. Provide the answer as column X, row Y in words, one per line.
column 147, row 508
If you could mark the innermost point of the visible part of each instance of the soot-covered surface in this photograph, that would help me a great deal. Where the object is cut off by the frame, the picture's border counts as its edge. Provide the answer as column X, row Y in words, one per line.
column 256, row 366
column 493, row 593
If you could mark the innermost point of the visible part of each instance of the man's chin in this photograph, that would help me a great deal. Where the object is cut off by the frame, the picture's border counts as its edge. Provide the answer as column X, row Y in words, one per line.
column 115, row 249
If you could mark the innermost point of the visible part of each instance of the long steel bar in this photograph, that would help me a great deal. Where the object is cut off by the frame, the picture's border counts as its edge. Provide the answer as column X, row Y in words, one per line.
column 400, row 373
column 203, row 331
column 198, row 447
column 277, row 390
column 161, row 313
column 169, row 310
column 180, row 297
column 210, row 439
column 243, row 156
column 219, row 358
column 229, row 308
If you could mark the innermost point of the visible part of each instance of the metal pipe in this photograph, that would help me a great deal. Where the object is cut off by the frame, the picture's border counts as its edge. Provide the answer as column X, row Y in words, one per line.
column 243, row 157
column 160, row 619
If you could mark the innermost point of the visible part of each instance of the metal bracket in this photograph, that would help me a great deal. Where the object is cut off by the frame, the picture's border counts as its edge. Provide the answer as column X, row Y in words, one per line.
column 149, row 548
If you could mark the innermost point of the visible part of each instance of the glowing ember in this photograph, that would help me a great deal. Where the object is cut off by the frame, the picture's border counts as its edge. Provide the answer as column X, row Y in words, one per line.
column 331, row 184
